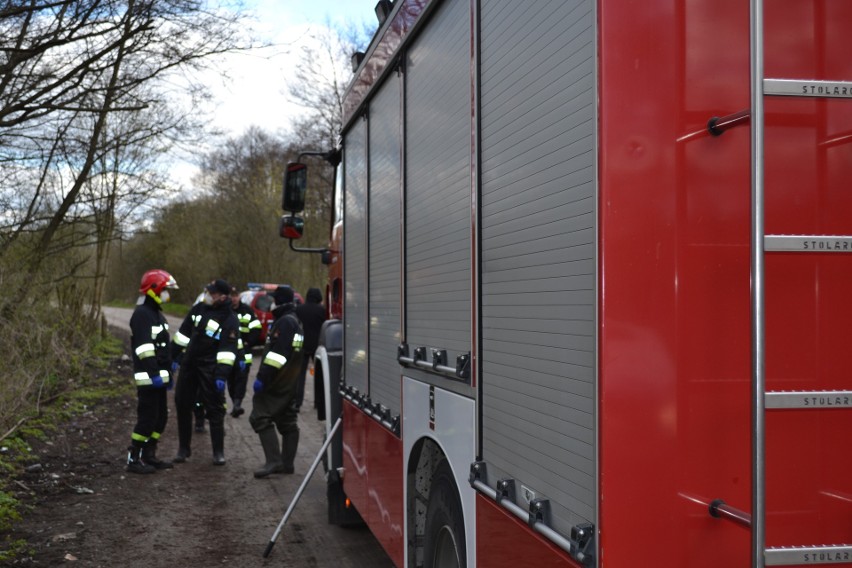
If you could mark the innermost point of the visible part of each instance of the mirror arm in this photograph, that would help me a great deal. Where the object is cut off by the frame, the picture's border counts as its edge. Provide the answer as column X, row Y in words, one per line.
column 332, row 156
column 302, row 249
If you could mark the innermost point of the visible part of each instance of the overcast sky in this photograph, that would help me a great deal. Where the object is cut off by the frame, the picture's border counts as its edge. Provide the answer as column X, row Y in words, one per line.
column 255, row 94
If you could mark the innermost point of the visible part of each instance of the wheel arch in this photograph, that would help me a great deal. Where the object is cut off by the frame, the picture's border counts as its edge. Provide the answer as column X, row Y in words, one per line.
column 427, row 442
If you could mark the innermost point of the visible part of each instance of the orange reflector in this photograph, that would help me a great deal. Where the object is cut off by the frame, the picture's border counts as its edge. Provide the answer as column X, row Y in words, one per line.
column 348, row 503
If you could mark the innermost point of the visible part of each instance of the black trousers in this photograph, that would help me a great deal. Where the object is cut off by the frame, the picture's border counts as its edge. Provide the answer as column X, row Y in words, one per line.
column 237, row 382
column 152, row 413
column 196, row 382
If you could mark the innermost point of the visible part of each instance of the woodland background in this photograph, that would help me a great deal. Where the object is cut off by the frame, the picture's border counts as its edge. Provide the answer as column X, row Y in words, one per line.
column 96, row 96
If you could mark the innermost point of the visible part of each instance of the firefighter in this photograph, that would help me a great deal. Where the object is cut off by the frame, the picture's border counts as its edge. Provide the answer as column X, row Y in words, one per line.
column 312, row 316
column 149, row 341
column 249, row 337
column 207, row 339
column 275, row 388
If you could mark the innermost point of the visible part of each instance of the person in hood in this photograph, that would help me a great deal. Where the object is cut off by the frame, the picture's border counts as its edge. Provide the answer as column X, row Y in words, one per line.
column 275, row 387
column 206, row 345
column 312, row 316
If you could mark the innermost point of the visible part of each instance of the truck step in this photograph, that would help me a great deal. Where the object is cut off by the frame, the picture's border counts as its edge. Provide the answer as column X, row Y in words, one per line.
column 799, row 555
column 809, row 400
column 807, row 243
column 806, row 88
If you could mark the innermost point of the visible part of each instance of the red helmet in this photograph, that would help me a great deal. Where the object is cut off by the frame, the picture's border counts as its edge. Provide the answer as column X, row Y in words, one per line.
column 157, row 280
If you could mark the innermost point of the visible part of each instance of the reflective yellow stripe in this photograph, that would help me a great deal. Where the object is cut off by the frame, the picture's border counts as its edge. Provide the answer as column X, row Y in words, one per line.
column 225, row 357
column 181, row 340
column 255, row 324
column 249, row 358
column 145, row 350
column 275, row 360
column 298, row 340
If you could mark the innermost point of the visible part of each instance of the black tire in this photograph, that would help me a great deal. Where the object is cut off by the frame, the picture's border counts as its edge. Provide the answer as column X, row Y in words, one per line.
column 444, row 543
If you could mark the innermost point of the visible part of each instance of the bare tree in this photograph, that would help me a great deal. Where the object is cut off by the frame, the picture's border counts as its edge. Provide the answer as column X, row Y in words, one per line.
column 68, row 70
column 321, row 78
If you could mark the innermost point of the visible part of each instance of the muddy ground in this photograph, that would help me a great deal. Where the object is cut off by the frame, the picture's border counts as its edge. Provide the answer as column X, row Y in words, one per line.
column 88, row 512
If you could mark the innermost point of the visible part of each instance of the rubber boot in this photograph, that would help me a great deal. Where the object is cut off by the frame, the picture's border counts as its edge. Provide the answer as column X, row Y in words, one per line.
column 238, row 408
column 272, row 451
column 135, row 464
column 149, row 456
column 217, row 440
column 182, row 455
column 290, row 442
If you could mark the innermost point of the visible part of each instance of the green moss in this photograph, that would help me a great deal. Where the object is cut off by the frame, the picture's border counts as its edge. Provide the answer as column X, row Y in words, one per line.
column 13, row 549
column 9, row 510
column 107, row 348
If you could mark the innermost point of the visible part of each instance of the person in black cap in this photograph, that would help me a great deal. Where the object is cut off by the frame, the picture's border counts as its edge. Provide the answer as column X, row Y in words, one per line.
column 275, row 388
column 206, row 346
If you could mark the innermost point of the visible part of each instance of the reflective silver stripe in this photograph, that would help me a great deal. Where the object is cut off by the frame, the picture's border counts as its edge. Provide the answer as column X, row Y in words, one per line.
column 156, row 330
column 249, row 358
column 145, row 350
column 275, row 360
column 142, row 378
column 298, row 340
column 226, row 357
column 254, row 324
column 240, row 343
column 212, row 327
column 181, row 340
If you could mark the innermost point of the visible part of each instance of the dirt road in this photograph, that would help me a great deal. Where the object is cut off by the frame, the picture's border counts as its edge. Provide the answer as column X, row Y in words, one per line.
column 90, row 512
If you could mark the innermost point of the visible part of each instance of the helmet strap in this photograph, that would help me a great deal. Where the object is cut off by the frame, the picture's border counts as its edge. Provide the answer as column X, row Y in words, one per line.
column 151, row 293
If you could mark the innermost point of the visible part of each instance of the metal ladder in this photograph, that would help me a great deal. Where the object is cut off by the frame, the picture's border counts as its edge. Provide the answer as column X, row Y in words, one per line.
column 761, row 243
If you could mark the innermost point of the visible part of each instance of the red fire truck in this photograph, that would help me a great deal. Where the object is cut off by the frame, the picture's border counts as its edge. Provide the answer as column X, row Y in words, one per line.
column 593, row 284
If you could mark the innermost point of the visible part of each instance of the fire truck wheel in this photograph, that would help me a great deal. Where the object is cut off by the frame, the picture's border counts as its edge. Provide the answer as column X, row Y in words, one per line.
column 444, row 545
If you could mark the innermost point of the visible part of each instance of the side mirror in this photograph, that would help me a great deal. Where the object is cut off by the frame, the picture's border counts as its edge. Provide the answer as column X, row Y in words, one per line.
column 295, row 182
column 291, row 227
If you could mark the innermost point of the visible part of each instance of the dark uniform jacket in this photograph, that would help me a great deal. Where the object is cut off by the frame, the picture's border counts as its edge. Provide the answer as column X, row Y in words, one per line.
column 312, row 316
column 282, row 361
column 249, row 330
column 149, row 340
column 209, row 335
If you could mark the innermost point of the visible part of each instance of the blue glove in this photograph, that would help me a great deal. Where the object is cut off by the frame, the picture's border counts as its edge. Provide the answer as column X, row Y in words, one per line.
column 258, row 385
column 174, row 366
column 242, row 365
column 157, row 381
column 220, row 385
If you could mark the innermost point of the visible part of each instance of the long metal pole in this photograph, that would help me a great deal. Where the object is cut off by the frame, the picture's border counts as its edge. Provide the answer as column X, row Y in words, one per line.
column 301, row 488
column 758, row 537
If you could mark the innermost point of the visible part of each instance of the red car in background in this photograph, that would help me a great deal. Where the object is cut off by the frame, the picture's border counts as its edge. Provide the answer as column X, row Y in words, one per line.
column 258, row 297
